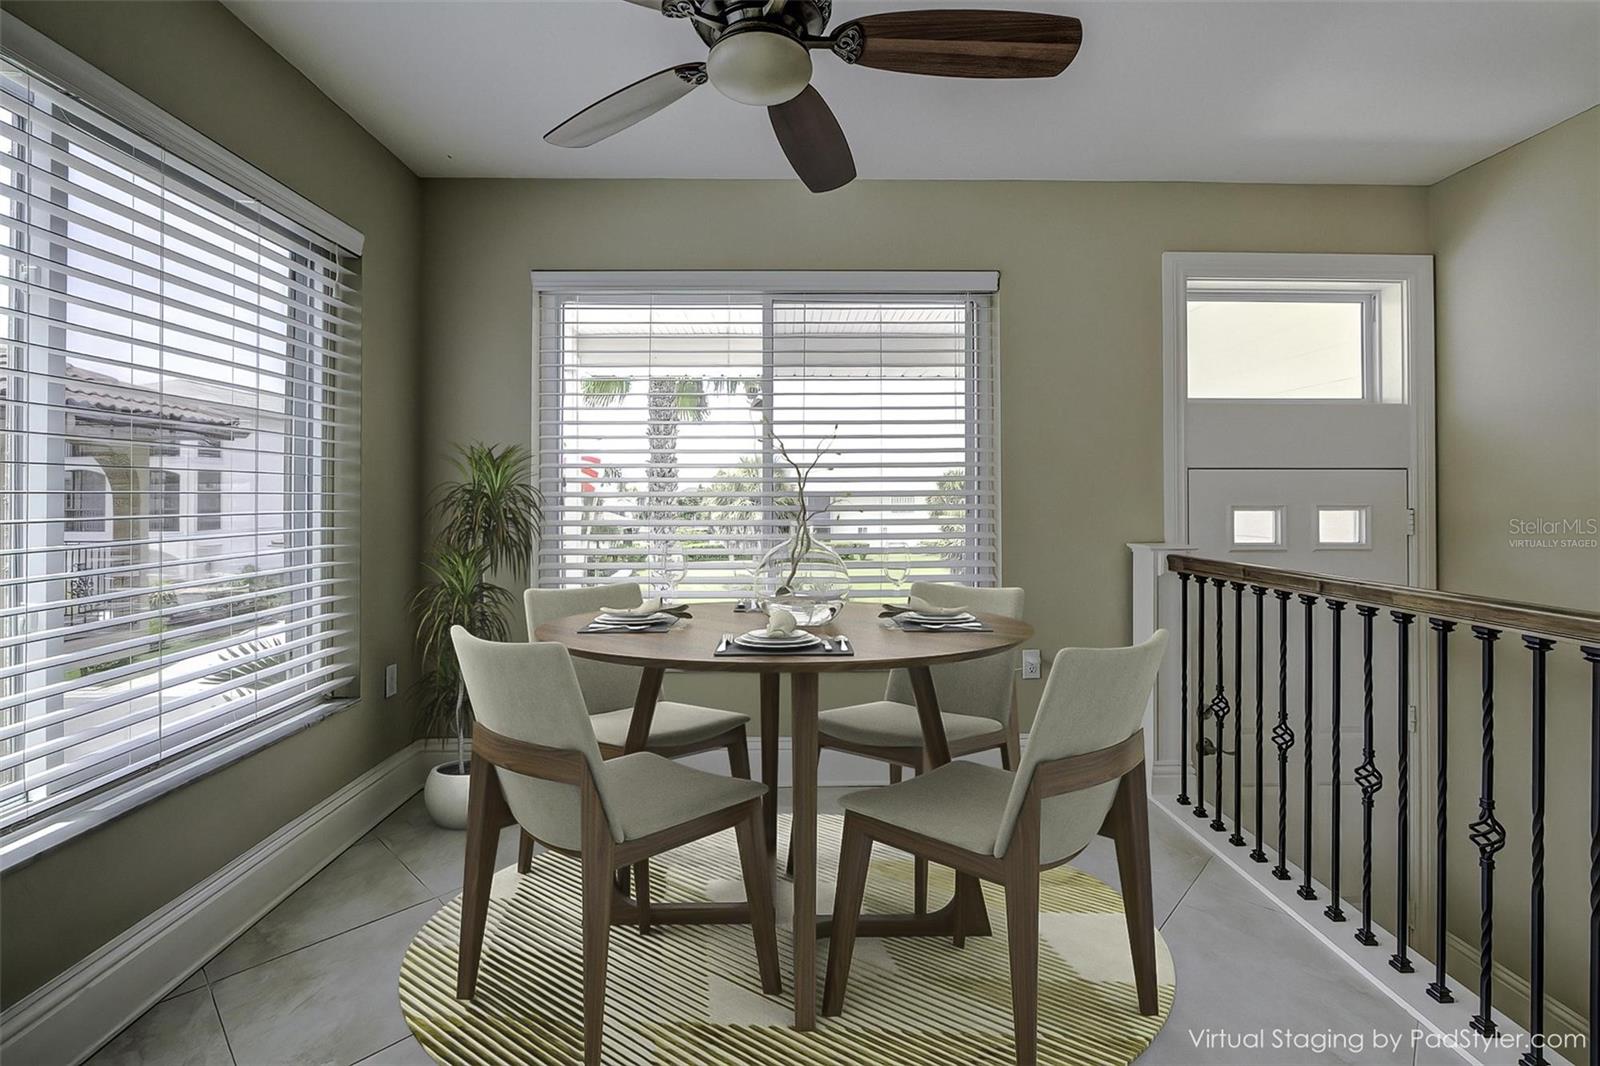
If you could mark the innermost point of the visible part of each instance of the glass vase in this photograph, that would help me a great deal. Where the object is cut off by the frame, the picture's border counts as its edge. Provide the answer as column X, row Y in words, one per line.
column 805, row 576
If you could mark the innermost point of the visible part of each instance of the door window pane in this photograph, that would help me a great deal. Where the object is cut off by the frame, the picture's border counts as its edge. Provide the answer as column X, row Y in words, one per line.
column 1244, row 349
column 1257, row 527
column 1341, row 527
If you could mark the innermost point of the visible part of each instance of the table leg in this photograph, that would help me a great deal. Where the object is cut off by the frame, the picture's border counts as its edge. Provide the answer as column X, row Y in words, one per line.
column 769, row 759
column 971, row 915
column 804, row 830
column 644, row 712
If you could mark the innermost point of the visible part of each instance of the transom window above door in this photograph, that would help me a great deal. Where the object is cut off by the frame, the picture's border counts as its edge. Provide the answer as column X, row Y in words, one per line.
column 663, row 416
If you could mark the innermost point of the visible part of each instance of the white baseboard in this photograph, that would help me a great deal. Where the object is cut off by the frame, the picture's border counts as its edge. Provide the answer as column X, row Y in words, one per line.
column 1510, row 988
column 835, row 769
column 68, row 1019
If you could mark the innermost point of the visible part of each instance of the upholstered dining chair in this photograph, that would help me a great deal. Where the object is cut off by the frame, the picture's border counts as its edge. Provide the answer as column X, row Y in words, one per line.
column 535, row 762
column 977, row 703
column 1083, row 773
column 609, row 691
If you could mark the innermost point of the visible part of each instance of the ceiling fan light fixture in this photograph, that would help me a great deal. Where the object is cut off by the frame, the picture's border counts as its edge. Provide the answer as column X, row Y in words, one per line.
column 759, row 66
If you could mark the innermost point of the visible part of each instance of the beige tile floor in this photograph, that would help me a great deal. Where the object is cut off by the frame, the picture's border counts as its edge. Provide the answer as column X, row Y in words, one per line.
column 315, row 980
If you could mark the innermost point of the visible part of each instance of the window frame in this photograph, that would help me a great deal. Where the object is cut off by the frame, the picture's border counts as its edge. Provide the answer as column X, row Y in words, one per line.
column 767, row 288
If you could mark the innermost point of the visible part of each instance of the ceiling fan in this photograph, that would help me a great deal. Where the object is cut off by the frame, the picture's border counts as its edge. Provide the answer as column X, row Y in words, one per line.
column 761, row 55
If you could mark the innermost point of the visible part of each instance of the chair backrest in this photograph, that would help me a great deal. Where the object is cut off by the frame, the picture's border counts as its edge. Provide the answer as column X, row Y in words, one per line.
column 981, row 687
column 605, row 686
column 528, row 692
column 1095, row 698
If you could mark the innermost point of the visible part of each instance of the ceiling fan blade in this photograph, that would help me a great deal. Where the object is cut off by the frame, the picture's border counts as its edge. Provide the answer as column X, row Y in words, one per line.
column 628, row 105
column 810, row 136
column 961, row 44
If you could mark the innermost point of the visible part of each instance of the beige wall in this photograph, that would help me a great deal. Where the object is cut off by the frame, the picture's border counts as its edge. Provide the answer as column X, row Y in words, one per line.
column 1079, row 314
column 1517, row 246
column 204, row 66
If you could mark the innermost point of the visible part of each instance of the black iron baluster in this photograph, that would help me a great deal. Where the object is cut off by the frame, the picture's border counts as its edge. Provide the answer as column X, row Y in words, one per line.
column 1333, row 911
column 1305, row 891
column 1257, row 855
column 1534, row 1056
column 1592, row 654
column 1283, row 736
column 1439, row 988
column 1237, row 839
column 1183, row 690
column 1401, row 959
column 1201, row 708
column 1366, row 776
column 1490, row 836
column 1219, row 711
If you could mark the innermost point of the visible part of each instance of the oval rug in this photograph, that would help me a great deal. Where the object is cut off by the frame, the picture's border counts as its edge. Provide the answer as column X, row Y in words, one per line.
column 690, row 994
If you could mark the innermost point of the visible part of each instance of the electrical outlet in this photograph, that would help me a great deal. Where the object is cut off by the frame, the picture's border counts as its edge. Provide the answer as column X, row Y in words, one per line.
column 1030, row 664
column 391, row 680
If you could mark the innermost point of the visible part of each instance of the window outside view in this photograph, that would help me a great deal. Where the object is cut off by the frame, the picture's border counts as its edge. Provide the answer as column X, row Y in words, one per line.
column 167, row 508
column 663, row 424
column 1275, row 349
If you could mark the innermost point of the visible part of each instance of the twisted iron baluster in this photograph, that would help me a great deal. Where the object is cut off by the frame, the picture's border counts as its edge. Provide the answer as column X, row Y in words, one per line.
column 1367, row 776
column 1219, row 710
column 1307, row 857
column 1333, row 911
column 1490, row 836
column 1401, row 959
column 1183, row 690
column 1256, row 854
column 1534, row 1056
column 1592, row 655
column 1201, row 708
column 1283, row 736
column 1439, row 988
column 1237, row 839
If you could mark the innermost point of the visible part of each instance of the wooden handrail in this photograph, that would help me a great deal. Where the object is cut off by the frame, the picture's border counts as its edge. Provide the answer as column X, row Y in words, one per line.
column 1560, row 622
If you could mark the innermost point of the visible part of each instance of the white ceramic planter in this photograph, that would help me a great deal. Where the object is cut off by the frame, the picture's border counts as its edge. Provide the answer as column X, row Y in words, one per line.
column 445, row 796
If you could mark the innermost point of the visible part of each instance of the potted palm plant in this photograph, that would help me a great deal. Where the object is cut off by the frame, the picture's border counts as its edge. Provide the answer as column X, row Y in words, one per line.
column 487, row 517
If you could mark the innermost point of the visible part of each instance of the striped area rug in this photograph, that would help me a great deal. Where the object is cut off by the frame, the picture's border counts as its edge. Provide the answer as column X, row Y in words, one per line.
column 690, row 994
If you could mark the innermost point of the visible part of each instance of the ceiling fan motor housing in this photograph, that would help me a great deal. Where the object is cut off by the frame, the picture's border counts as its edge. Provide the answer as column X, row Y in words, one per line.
column 759, row 64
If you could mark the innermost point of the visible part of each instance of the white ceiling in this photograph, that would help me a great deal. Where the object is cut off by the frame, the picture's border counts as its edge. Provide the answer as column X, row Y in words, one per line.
column 1382, row 91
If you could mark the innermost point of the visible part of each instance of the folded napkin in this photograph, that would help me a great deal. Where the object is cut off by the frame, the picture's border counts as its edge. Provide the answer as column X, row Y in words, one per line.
column 921, row 606
column 644, row 610
column 781, row 622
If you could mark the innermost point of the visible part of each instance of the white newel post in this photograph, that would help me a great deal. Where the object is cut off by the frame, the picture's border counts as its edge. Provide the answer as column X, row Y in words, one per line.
column 1151, row 611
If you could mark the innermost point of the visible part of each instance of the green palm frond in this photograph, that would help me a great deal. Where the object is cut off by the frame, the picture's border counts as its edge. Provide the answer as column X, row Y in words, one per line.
column 605, row 391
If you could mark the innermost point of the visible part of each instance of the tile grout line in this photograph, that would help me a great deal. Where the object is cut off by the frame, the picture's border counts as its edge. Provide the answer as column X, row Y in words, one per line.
column 1187, row 889
column 226, row 1040
column 312, row 943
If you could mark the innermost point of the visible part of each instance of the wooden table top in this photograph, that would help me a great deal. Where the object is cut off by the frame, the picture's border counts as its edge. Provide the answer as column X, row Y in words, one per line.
column 691, row 644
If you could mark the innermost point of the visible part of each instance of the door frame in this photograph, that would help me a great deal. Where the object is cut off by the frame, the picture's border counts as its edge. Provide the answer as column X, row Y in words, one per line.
column 1414, row 273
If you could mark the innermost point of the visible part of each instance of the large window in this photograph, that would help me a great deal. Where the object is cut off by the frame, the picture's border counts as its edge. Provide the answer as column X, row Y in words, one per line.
column 178, row 367
column 661, row 416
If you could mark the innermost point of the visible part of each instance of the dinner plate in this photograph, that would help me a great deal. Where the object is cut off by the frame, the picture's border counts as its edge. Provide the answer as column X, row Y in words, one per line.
column 633, row 619
column 937, row 619
column 757, row 639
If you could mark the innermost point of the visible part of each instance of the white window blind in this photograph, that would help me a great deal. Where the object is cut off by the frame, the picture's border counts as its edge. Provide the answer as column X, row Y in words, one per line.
column 178, row 383
column 660, row 414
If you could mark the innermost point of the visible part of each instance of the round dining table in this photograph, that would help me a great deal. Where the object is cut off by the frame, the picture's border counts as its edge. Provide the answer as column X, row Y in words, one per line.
column 691, row 645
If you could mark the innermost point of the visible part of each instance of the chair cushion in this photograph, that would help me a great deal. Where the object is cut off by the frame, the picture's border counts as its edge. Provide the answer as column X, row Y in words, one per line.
column 673, row 724
column 885, row 724
column 959, row 803
column 649, row 793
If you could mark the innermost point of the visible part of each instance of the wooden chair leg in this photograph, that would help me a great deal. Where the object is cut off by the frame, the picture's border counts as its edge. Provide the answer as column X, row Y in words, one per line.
column 641, row 880
column 758, row 891
column 855, row 854
column 486, row 815
column 739, row 756
column 894, row 773
column 1022, row 930
column 788, row 864
column 919, row 871
column 525, row 853
column 1011, row 753
column 597, row 888
column 1130, row 828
